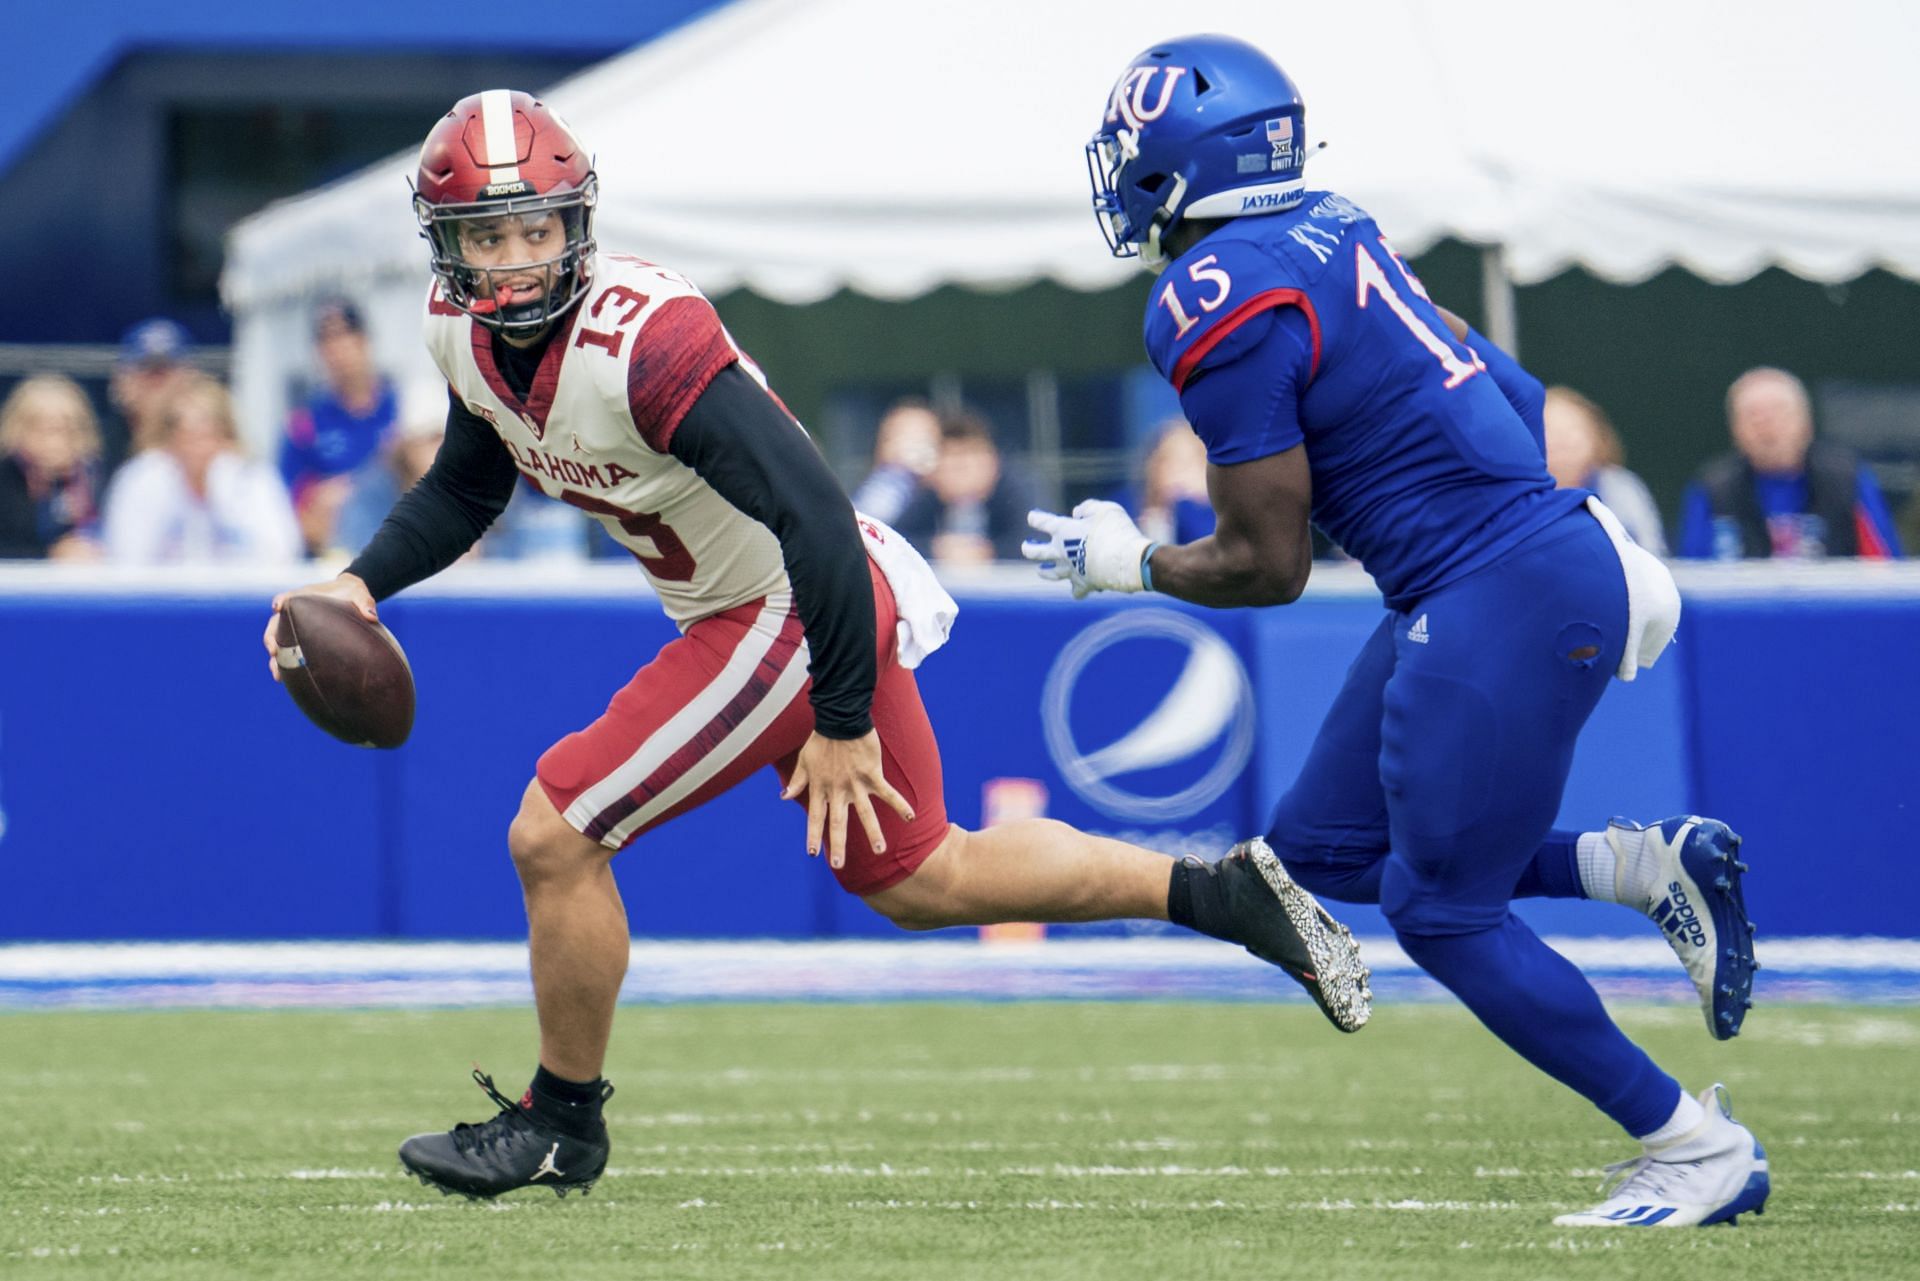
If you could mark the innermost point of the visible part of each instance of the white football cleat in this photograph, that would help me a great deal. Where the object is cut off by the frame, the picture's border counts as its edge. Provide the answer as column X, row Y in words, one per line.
column 1696, row 900
column 1727, row 1181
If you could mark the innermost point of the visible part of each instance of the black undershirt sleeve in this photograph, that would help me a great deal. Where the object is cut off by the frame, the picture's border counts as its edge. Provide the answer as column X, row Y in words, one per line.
column 436, row 521
column 739, row 440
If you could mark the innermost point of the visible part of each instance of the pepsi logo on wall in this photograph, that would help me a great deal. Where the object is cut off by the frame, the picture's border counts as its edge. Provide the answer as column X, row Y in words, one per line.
column 1148, row 715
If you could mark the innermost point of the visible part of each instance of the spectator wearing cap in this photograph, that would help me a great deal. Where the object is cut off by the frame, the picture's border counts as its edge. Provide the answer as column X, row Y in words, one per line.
column 153, row 358
column 195, row 498
column 49, row 471
column 1782, row 493
column 340, row 427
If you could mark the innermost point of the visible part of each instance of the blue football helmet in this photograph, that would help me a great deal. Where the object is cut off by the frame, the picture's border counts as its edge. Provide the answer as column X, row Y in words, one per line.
column 1200, row 127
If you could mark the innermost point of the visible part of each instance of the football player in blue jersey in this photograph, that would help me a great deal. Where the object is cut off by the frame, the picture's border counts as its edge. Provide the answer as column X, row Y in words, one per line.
column 1328, row 387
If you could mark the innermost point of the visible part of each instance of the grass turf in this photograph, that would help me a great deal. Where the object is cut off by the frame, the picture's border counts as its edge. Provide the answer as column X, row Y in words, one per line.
column 930, row 1141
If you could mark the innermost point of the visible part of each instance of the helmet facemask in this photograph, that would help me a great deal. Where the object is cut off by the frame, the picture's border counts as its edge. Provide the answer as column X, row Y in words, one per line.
column 1109, row 156
column 456, row 231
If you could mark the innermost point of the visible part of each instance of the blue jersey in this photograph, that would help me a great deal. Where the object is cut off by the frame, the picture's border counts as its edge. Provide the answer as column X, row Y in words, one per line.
column 324, row 438
column 1307, row 328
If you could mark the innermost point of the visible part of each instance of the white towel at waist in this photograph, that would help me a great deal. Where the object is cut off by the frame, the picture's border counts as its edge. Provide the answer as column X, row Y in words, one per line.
column 925, row 609
column 1653, row 602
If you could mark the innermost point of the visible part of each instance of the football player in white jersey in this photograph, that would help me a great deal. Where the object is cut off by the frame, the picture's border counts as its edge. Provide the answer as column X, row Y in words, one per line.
column 610, row 383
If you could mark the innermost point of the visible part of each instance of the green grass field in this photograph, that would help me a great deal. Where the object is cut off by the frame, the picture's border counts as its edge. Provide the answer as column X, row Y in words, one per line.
column 935, row 1141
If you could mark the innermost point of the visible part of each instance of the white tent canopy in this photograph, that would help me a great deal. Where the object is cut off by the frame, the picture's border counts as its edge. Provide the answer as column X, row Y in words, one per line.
column 798, row 147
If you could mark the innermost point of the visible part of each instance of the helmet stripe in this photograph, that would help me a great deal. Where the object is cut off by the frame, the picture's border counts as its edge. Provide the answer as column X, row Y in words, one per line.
column 496, row 116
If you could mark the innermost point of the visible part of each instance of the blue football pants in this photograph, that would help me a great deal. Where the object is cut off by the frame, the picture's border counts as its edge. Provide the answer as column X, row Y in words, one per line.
column 1434, row 782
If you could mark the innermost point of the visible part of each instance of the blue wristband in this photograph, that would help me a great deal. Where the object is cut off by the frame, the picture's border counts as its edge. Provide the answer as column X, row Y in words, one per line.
column 1146, row 566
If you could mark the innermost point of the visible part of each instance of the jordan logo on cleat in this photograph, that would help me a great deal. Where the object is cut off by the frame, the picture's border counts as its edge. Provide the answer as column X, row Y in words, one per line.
column 547, row 1166
column 1418, row 632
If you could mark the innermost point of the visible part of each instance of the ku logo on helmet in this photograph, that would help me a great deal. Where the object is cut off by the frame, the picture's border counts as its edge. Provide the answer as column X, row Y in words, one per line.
column 1129, row 100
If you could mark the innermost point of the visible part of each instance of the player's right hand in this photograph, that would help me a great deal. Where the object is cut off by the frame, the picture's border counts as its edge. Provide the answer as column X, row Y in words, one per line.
column 1096, row 549
column 836, row 775
column 346, row 587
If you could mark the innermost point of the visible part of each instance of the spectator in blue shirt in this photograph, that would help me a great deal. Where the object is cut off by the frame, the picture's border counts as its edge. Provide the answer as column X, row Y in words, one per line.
column 1782, row 493
column 533, row 528
column 340, row 427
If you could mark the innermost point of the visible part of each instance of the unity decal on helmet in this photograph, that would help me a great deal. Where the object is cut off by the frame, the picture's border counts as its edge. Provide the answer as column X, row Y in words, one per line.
column 1200, row 127
column 1280, row 134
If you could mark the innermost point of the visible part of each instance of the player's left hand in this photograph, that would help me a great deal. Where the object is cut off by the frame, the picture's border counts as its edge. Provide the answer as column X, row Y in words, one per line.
column 1097, row 549
column 836, row 773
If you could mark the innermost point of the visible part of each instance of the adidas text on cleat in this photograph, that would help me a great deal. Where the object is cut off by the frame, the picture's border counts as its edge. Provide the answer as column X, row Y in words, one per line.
column 1697, row 902
column 1714, row 1175
column 514, row 1150
column 1299, row 937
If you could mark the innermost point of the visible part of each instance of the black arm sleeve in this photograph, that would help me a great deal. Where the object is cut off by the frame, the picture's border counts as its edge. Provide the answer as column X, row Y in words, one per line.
column 436, row 521
column 740, row 441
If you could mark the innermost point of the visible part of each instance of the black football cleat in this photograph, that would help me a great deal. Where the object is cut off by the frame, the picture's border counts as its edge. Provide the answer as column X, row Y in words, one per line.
column 514, row 1150
column 1281, row 923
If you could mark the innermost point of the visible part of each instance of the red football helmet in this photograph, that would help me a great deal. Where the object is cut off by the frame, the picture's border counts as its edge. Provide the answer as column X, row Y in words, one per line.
column 500, row 158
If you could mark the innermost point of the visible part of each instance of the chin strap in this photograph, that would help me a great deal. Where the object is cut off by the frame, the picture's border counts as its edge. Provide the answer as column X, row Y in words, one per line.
column 1151, row 253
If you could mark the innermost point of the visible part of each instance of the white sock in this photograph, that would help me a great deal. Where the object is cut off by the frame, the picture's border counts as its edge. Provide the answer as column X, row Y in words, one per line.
column 1597, row 866
column 1617, row 867
column 1687, row 1117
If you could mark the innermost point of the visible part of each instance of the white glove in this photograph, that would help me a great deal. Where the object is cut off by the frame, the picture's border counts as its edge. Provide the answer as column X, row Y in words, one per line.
column 1097, row 549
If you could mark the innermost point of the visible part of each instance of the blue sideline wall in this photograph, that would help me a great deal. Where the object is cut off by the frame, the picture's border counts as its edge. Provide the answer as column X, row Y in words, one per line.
column 155, row 784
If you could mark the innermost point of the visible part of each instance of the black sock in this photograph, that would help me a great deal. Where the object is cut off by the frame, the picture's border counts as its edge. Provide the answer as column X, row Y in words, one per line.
column 572, row 1106
column 1195, row 899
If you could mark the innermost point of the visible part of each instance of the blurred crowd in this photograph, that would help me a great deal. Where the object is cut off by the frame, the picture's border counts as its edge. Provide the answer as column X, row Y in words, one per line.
column 163, row 475
column 1779, row 492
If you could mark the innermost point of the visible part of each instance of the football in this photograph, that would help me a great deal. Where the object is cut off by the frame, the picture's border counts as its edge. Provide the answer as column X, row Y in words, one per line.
column 348, row 675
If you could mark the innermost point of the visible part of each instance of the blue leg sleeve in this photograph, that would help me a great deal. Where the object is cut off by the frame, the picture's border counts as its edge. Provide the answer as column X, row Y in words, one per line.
column 1534, row 999
column 1480, row 718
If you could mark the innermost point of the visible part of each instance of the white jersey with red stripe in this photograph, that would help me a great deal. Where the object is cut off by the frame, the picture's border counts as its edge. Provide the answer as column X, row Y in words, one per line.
column 621, row 371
